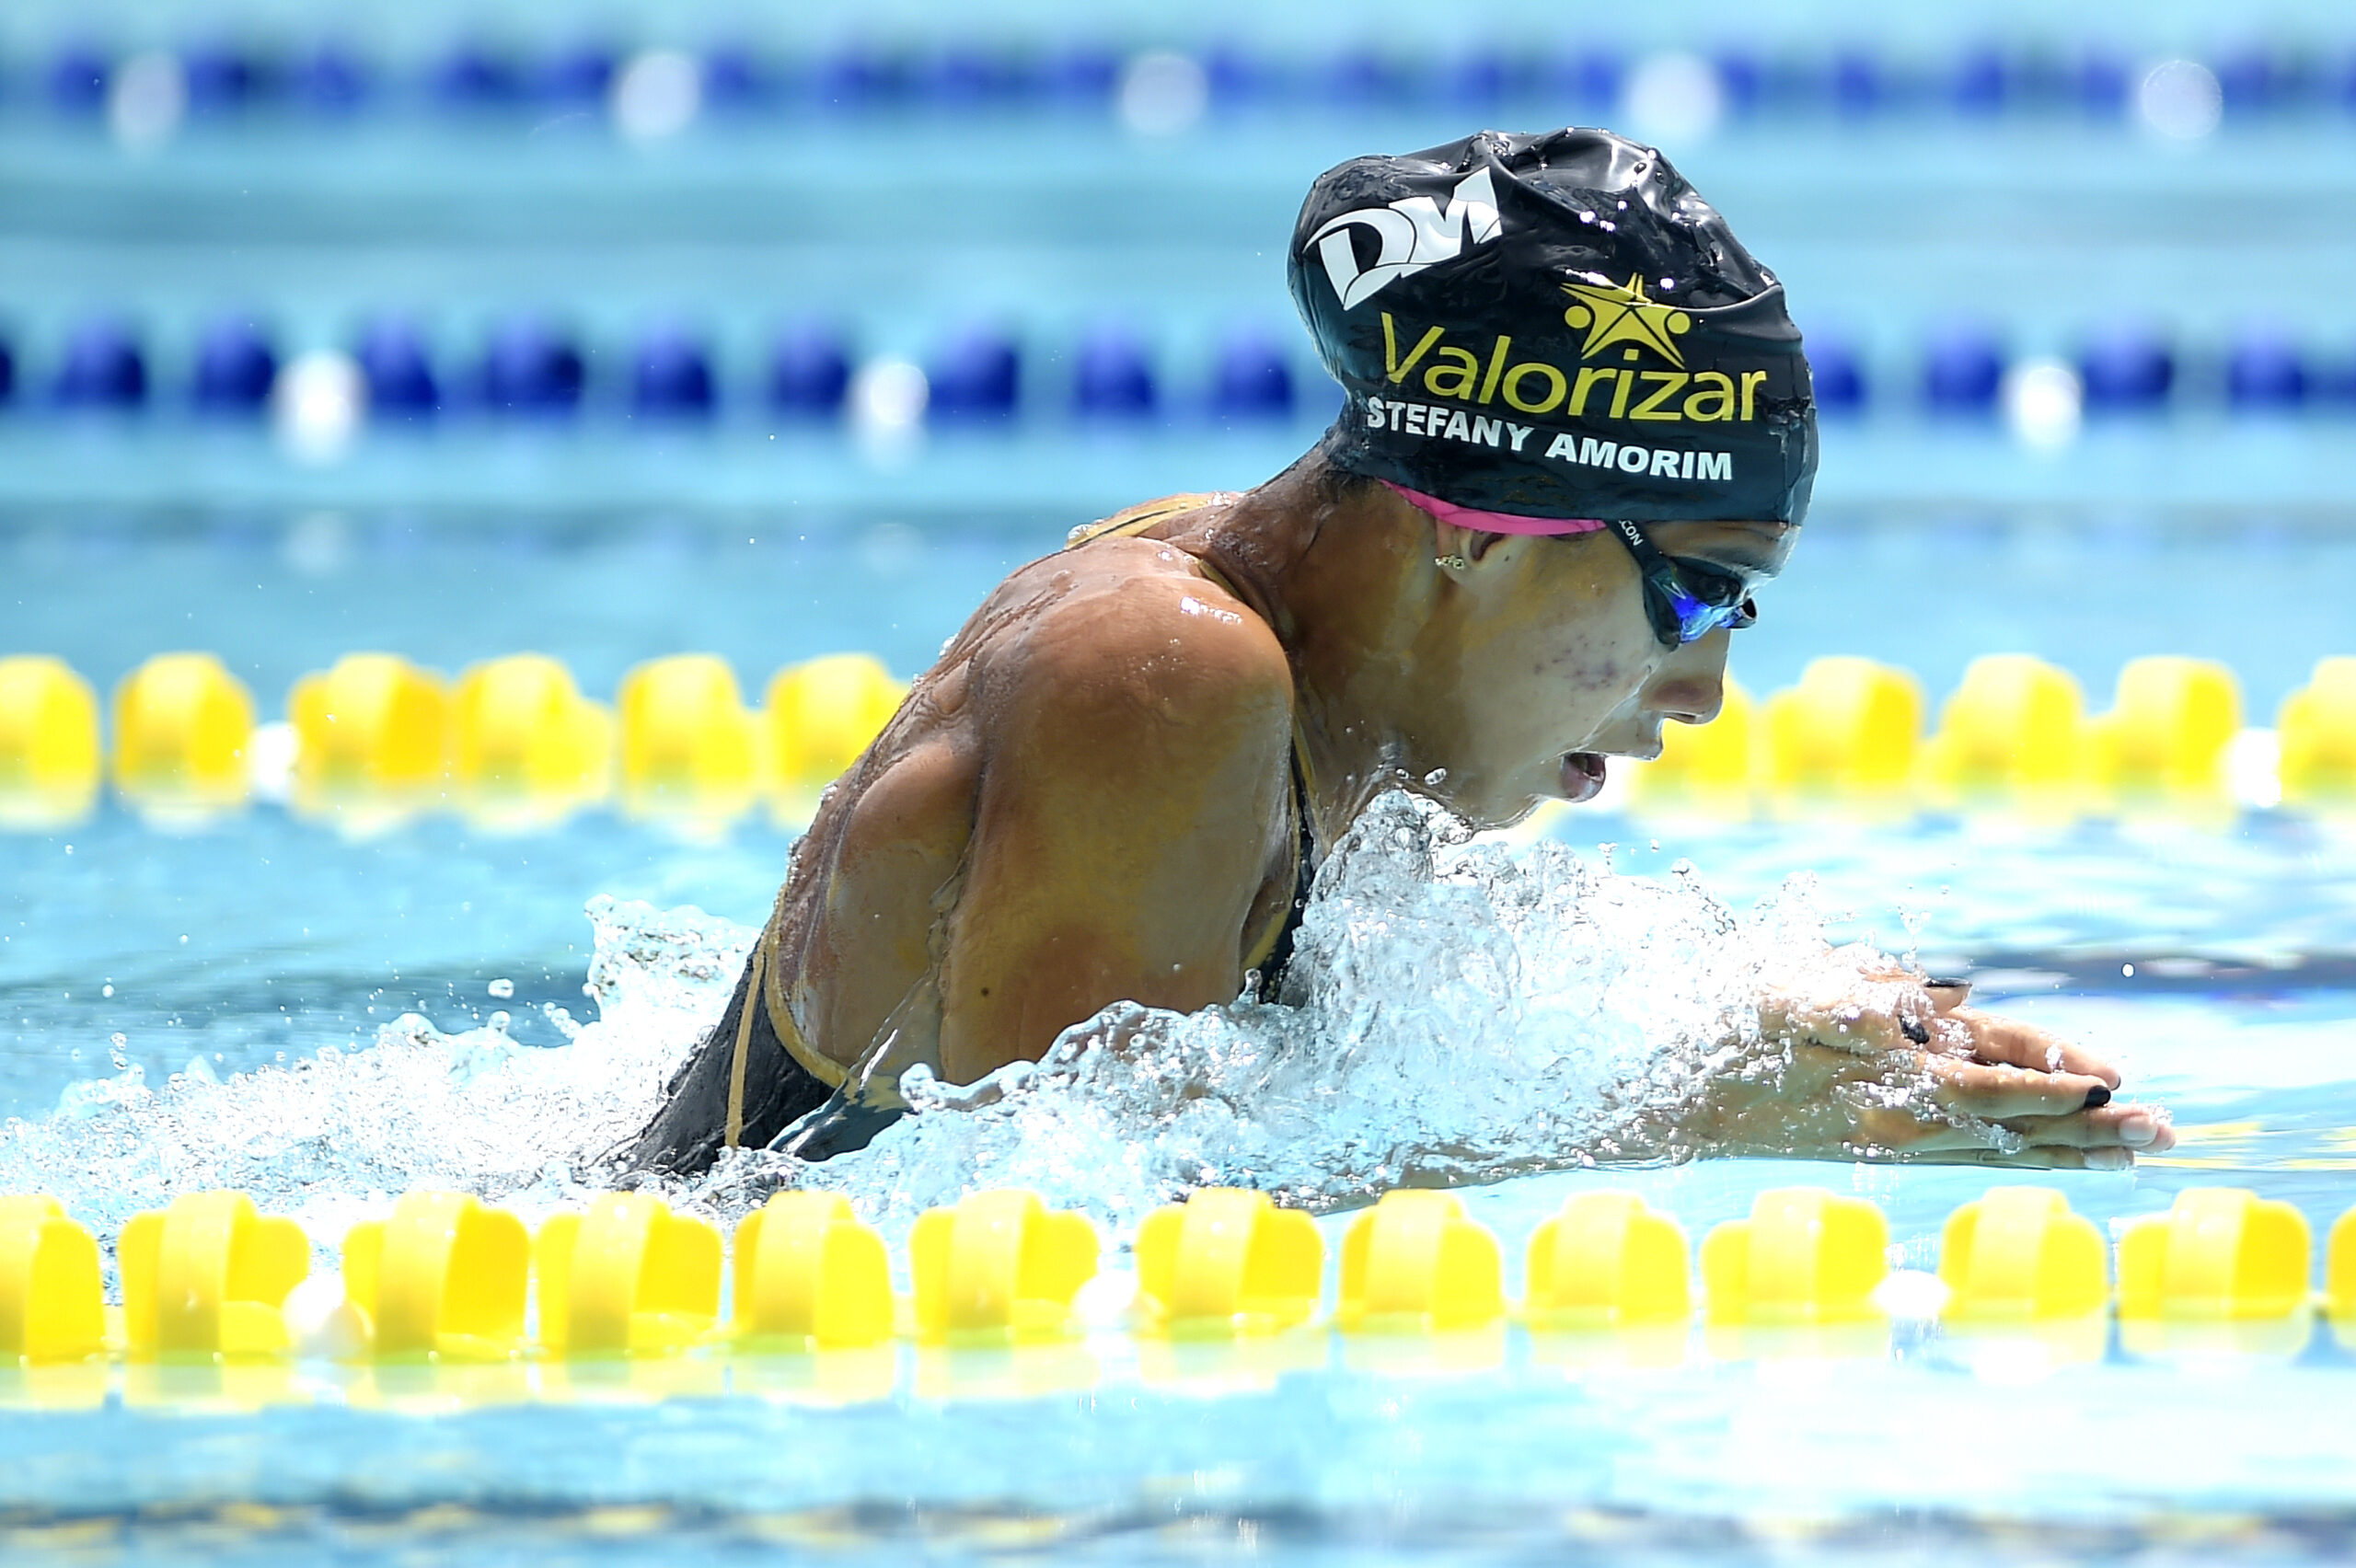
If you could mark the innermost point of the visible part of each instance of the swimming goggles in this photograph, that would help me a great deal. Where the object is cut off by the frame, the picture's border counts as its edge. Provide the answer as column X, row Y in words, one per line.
column 1687, row 599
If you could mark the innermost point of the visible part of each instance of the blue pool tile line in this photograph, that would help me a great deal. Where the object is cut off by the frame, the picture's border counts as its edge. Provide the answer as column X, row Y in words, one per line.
column 475, row 75
column 532, row 362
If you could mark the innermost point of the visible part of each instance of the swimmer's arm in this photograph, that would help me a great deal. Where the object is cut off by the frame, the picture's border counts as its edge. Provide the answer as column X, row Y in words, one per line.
column 1133, row 783
column 1887, row 1066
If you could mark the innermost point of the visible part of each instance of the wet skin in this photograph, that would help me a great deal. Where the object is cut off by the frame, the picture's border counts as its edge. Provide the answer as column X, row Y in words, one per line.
column 1089, row 799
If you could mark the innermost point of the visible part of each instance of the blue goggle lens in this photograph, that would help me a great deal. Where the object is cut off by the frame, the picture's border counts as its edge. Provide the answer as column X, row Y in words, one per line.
column 1696, row 618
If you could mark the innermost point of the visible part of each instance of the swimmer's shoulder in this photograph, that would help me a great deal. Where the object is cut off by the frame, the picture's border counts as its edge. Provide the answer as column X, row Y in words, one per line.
column 1133, row 627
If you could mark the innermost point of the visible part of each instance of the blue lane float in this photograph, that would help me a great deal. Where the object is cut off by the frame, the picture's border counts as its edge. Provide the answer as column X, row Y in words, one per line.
column 529, row 363
column 672, row 375
column 529, row 367
column 856, row 78
column 809, row 369
column 2265, row 370
column 471, row 75
column 1838, row 372
column 1251, row 377
column 2127, row 369
column 102, row 366
column 235, row 367
column 579, row 73
column 2099, row 84
column 331, row 79
column 1112, row 376
column 735, row 76
column 75, row 79
column 1962, row 369
column 1980, row 83
column 395, row 363
column 222, row 77
column 1857, row 84
column 976, row 375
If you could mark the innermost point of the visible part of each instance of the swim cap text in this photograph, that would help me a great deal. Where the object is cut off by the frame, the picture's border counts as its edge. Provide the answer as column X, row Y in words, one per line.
column 1591, row 392
column 1438, row 423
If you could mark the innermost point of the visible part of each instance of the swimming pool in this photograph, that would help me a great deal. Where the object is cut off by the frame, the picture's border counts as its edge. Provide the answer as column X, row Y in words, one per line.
column 329, row 1019
column 270, row 940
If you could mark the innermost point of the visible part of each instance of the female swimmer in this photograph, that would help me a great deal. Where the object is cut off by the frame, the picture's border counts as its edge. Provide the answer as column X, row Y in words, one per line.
column 1578, row 438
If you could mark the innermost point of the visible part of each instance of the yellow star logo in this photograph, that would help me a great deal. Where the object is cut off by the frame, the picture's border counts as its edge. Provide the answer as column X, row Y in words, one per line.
column 1612, row 314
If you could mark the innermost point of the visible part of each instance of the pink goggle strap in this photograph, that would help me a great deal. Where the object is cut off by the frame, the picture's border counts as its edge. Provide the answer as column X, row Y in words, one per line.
column 1495, row 522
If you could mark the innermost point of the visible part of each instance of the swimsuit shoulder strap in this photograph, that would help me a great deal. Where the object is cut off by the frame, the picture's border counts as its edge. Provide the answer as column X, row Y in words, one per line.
column 1144, row 515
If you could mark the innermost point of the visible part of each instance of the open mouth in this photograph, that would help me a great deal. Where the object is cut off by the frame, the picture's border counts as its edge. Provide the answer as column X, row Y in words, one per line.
column 1582, row 776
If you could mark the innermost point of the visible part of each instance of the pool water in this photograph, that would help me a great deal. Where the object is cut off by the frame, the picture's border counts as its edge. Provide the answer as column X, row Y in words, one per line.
column 266, row 941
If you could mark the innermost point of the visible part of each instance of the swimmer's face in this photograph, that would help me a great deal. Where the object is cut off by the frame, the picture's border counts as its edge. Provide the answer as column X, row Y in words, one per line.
column 1556, row 666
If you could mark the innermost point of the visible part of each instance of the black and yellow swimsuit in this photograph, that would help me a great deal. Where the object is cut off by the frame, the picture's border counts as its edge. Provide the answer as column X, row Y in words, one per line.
column 755, row 1082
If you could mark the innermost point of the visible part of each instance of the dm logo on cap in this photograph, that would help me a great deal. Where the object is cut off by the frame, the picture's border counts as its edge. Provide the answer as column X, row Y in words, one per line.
column 1416, row 233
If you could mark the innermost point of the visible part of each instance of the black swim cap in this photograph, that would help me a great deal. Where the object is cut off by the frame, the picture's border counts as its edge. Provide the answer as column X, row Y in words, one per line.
column 1552, row 325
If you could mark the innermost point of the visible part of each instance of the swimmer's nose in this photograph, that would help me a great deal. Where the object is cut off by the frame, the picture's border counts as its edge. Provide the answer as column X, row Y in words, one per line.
column 1690, row 699
column 1690, row 686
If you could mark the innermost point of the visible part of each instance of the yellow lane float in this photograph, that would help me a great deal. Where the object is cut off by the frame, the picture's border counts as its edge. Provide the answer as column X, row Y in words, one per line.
column 1416, row 1264
column 1228, row 1262
column 1704, row 768
column 49, row 743
column 998, row 1268
column 689, row 748
column 628, row 1277
column 372, row 731
column 1606, row 1259
column 2316, row 731
column 208, row 1278
column 184, row 726
column 2162, row 746
column 443, row 1278
column 2219, row 1253
column 435, row 1295
column 527, row 748
column 810, row 1276
column 1804, row 1256
column 2017, row 1255
column 2014, row 734
column 1845, row 736
column 51, row 1308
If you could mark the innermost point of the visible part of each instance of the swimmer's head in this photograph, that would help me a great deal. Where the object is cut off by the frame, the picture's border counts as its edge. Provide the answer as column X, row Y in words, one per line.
column 1553, row 327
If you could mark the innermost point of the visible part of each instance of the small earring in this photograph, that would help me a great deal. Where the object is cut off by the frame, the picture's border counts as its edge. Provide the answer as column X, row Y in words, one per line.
column 1450, row 563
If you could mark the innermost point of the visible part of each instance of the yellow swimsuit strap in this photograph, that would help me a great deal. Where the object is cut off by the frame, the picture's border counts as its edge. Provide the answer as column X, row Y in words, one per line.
column 768, row 992
column 1144, row 515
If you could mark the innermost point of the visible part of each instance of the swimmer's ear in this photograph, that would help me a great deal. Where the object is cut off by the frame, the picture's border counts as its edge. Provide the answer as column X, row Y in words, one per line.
column 1452, row 546
column 1455, row 546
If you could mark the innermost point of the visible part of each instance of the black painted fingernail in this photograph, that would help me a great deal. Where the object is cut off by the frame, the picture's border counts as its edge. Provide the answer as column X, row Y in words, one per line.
column 1949, row 984
column 2098, row 1095
column 1916, row 1032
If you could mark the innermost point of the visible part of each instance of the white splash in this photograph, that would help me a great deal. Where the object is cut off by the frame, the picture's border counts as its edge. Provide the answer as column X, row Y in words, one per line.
column 1457, row 1010
column 335, row 1137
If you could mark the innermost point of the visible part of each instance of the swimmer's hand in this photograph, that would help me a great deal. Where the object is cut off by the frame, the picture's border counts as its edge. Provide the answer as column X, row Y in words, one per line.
column 1888, row 1066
